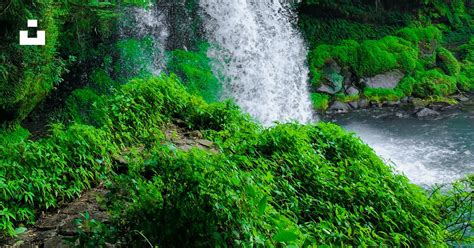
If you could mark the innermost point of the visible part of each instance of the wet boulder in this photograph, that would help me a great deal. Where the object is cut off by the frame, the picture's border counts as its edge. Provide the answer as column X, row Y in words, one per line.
column 333, row 81
column 339, row 107
column 426, row 112
column 388, row 80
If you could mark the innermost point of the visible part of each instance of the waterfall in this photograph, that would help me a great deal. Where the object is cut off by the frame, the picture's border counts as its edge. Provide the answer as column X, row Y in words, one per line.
column 261, row 57
column 142, row 23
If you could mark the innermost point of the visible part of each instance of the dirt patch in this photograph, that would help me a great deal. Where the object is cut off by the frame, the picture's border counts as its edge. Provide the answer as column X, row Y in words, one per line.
column 53, row 227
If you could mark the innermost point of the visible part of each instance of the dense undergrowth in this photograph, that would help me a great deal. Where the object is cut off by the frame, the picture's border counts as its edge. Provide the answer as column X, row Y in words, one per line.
column 290, row 184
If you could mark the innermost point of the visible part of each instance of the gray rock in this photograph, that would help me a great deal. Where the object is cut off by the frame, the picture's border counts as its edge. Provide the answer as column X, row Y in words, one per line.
column 388, row 80
column 354, row 105
column 363, row 103
column 461, row 98
column 426, row 112
column 401, row 115
column 346, row 73
column 339, row 107
column 332, row 67
column 438, row 105
column 326, row 89
column 419, row 103
column 206, row 143
column 404, row 100
column 351, row 90
column 392, row 103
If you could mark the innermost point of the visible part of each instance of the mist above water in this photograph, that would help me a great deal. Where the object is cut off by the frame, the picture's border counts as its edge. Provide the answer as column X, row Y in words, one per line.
column 261, row 58
column 427, row 151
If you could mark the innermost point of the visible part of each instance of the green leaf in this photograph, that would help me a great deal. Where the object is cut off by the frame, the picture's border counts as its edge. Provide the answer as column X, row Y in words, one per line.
column 285, row 236
column 262, row 205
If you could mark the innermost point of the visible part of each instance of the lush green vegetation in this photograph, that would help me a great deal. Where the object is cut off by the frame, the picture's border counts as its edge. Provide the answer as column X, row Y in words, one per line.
column 291, row 184
column 429, row 44
column 288, row 185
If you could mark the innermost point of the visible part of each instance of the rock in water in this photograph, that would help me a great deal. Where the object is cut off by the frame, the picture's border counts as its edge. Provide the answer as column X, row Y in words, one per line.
column 363, row 103
column 351, row 90
column 326, row 89
column 339, row 107
column 426, row 112
column 387, row 80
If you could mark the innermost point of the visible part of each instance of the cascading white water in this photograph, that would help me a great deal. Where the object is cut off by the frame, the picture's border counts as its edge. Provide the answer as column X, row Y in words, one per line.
column 261, row 56
column 149, row 22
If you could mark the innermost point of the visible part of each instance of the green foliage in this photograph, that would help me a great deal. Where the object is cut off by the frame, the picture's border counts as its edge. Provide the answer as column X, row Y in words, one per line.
column 380, row 95
column 320, row 101
column 82, row 105
column 270, row 187
column 429, row 36
column 92, row 233
column 433, row 83
column 135, row 58
column 368, row 58
column 38, row 175
column 28, row 73
column 448, row 62
column 466, row 78
column 13, row 135
column 457, row 13
column 455, row 202
column 194, row 68
column 347, row 98
column 287, row 185
column 331, row 31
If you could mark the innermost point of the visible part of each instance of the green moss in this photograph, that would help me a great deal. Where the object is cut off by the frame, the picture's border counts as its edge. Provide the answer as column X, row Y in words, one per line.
column 466, row 78
column 447, row 61
column 429, row 36
column 433, row 83
column 380, row 95
column 320, row 101
column 347, row 98
column 368, row 58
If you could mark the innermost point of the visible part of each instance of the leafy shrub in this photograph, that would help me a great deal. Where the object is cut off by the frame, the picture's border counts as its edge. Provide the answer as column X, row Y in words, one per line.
column 291, row 184
column 320, row 101
column 38, row 175
column 82, row 106
column 28, row 72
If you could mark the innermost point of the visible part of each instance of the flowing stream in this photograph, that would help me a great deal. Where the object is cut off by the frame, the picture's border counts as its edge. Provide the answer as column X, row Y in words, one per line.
column 261, row 57
column 427, row 151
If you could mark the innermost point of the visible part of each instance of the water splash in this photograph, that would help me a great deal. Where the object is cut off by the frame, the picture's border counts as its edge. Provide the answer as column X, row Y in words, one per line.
column 150, row 22
column 261, row 56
